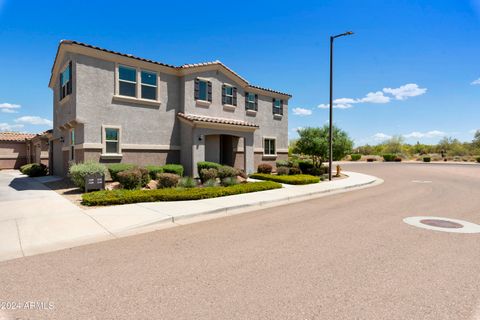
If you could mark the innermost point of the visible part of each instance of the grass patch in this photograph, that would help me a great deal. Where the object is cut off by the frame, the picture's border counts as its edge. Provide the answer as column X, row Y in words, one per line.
column 291, row 179
column 104, row 198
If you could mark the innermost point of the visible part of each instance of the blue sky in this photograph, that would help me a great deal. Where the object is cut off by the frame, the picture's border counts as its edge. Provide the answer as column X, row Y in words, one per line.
column 410, row 68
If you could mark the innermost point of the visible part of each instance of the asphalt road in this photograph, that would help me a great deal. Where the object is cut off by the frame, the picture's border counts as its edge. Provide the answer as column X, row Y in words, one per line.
column 346, row 256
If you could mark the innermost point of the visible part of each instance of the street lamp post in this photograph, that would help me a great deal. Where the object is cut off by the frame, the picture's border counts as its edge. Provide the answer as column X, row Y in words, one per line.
column 330, row 129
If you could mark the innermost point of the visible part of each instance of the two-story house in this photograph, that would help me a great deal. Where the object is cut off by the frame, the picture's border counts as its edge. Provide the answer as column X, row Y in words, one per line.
column 115, row 107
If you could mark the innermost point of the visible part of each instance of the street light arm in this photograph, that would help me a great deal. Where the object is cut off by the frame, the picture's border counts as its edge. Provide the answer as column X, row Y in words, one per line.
column 348, row 33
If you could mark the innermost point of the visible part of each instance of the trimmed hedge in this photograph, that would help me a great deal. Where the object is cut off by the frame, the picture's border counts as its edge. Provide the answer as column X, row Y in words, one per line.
column 292, row 179
column 283, row 163
column 389, row 157
column 173, row 168
column 135, row 178
column 207, row 165
column 281, row 171
column 227, row 172
column 79, row 171
column 208, row 174
column 34, row 169
column 305, row 166
column 154, row 171
column 264, row 168
column 116, row 168
column 355, row 156
column 168, row 180
column 110, row 197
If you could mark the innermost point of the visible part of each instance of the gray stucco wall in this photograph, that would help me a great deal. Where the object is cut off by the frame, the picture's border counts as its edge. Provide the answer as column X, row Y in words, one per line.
column 269, row 126
column 140, row 123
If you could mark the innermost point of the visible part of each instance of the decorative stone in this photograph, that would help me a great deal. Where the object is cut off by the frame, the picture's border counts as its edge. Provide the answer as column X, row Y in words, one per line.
column 153, row 184
column 113, row 185
column 241, row 179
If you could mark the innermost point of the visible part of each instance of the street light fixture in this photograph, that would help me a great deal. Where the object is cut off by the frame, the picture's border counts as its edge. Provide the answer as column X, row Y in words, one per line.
column 330, row 130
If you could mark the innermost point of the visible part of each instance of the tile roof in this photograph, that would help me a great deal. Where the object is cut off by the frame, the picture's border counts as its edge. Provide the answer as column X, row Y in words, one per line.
column 185, row 66
column 15, row 136
column 194, row 117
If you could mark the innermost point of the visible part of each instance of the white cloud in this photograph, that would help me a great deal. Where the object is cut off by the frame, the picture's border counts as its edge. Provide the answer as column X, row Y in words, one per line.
column 34, row 120
column 9, row 107
column 335, row 106
column 379, row 97
column 380, row 136
column 475, row 82
column 302, row 111
column 406, row 91
column 473, row 131
column 9, row 127
column 375, row 97
column 428, row 134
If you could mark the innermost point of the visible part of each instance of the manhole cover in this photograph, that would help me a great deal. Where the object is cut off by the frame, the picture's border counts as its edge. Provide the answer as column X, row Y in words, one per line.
column 441, row 223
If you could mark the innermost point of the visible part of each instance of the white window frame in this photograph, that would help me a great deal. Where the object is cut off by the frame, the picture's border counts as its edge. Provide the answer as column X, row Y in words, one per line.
column 264, row 145
column 127, row 81
column 148, row 85
column 104, row 141
column 249, row 102
column 228, row 95
column 138, row 87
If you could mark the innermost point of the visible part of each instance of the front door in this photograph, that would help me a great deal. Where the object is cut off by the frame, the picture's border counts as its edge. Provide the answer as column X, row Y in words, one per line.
column 226, row 150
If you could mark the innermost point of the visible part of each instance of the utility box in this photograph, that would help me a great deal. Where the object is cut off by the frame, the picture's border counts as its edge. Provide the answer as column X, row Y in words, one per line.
column 94, row 182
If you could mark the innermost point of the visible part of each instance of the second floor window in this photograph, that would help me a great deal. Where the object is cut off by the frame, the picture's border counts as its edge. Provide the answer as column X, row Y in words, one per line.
column 277, row 106
column 251, row 101
column 229, row 95
column 149, row 85
column 127, row 81
column 203, row 90
column 66, row 81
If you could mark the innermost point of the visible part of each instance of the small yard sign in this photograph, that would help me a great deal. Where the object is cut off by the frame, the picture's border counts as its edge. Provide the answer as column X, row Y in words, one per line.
column 94, row 181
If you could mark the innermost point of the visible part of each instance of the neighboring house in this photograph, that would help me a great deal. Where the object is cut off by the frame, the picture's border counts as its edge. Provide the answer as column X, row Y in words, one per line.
column 17, row 149
column 114, row 107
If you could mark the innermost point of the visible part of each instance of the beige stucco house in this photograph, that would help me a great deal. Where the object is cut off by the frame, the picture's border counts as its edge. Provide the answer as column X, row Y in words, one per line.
column 18, row 148
column 116, row 107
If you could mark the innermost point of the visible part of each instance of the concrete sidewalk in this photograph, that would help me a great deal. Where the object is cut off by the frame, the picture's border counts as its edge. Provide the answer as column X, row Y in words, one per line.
column 44, row 221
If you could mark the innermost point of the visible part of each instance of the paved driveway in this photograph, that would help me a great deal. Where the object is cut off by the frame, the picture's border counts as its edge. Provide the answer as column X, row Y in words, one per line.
column 348, row 256
column 35, row 219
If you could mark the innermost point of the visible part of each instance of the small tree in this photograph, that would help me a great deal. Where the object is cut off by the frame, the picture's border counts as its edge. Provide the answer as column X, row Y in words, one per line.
column 313, row 142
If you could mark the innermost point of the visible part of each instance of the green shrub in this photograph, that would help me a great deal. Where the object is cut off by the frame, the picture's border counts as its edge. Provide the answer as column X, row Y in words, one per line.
column 426, row 159
column 116, row 168
column 293, row 179
column 294, row 171
column 173, row 168
column 478, row 159
column 187, row 182
column 281, row 171
column 226, row 172
column 264, row 168
column 355, row 156
column 229, row 181
column 154, row 170
column 283, row 163
column 133, row 178
column 110, row 197
column 389, row 157
column 210, row 183
column 208, row 174
column 318, row 171
column 305, row 166
column 207, row 165
column 167, row 180
column 398, row 159
column 34, row 169
column 79, row 171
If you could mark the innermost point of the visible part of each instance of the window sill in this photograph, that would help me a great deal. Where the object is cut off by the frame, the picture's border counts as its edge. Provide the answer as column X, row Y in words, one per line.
column 229, row 107
column 111, row 155
column 155, row 103
column 269, row 156
column 277, row 116
column 251, row 112
column 203, row 103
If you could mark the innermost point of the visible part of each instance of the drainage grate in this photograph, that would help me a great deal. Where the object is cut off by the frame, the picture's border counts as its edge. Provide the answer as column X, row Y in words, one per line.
column 441, row 223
